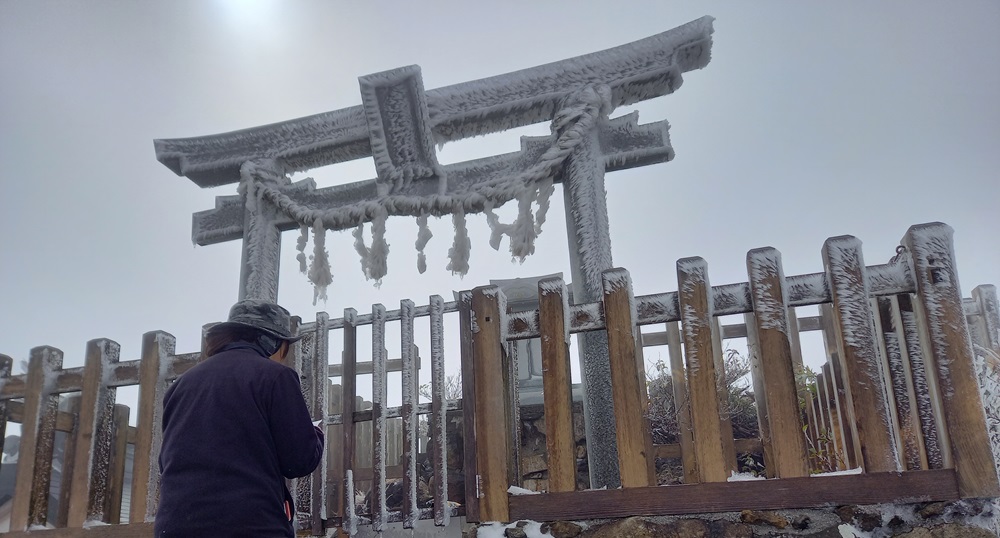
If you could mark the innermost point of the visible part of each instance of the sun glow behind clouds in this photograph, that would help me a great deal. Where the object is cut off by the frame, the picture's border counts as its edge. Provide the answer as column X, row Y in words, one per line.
column 247, row 18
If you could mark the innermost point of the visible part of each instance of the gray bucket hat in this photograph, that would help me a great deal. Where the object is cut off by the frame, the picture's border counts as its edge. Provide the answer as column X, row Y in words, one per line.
column 268, row 317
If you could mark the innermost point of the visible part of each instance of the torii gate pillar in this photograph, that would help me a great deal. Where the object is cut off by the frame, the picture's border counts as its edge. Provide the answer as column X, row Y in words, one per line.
column 589, row 254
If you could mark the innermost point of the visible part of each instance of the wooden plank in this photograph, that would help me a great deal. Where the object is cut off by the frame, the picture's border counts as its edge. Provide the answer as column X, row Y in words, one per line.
column 379, row 397
column 863, row 379
column 553, row 305
column 439, row 417
column 674, row 450
column 760, row 394
column 6, row 362
column 135, row 530
column 770, row 300
column 492, row 430
column 70, row 404
column 88, row 499
column 349, row 382
column 929, row 410
column 932, row 250
column 722, row 389
column 636, row 462
column 985, row 296
column 318, row 364
column 157, row 347
column 786, row 493
column 843, row 430
column 682, row 405
column 118, row 459
column 334, row 455
column 470, row 465
column 828, row 417
column 901, row 382
column 34, row 469
column 410, row 379
column 696, row 307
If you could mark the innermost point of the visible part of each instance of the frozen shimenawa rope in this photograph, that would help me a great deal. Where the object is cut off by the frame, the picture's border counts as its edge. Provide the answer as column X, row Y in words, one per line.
column 580, row 113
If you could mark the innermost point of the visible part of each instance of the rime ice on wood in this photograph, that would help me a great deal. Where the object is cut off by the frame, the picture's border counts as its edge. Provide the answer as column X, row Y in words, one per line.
column 379, row 509
column 864, row 385
column 934, row 270
column 442, row 514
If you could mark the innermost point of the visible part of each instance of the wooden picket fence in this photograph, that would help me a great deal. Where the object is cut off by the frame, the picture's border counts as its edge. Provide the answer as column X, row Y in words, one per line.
column 897, row 398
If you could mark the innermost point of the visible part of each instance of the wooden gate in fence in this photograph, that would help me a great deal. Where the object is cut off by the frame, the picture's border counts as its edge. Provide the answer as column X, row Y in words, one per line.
column 897, row 400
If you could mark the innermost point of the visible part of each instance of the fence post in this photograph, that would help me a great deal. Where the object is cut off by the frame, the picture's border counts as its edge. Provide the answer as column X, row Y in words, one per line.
column 116, row 469
column 902, row 384
column 636, row 460
column 696, row 306
column 553, row 308
column 6, row 363
column 863, row 378
column 682, row 403
column 932, row 253
column 410, row 380
column 492, row 429
column 348, row 380
column 34, row 469
column 439, row 415
column 470, row 465
column 69, row 404
column 95, row 434
column 770, row 304
column 379, row 397
column 988, row 321
column 157, row 347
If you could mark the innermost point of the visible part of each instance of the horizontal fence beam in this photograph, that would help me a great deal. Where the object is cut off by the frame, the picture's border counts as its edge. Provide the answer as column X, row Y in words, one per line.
column 803, row 492
column 727, row 299
column 392, row 412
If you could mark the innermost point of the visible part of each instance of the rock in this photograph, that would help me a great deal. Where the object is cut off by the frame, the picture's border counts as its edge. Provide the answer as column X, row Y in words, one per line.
column 690, row 528
column 846, row 513
column 801, row 523
column 515, row 532
column 948, row 530
column 633, row 527
column 728, row 529
column 932, row 510
column 754, row 517
column 869, row 522
column 562, row 529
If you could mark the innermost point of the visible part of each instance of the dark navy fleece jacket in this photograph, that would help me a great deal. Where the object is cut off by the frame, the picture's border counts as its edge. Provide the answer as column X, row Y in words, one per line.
column 234, row 427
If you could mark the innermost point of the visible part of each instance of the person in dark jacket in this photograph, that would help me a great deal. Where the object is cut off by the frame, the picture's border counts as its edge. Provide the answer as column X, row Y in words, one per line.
column 234, row 428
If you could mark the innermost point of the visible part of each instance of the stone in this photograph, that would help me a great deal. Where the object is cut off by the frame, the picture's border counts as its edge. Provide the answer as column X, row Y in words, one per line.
column 728, row 529
column 691, row 528
column 801, row 523
column 515, row 532
column 754, row 517
column 932, row 510
column 846, row 513
column 633, row 527
column 948, row 530
column 562, row 529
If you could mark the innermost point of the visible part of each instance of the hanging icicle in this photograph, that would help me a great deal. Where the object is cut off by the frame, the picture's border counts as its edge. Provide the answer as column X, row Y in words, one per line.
column 379, row 253
column 458, row 254
column 300, row 246
column 373, row 260
column 319, row 271
column 545, row 189
column 423, row 236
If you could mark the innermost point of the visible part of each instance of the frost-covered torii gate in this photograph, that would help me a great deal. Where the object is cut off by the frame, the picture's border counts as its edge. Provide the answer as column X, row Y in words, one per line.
column 398, row 124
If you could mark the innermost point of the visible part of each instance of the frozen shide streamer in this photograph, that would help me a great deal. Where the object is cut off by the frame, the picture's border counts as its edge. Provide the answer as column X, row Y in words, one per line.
column 532, row 188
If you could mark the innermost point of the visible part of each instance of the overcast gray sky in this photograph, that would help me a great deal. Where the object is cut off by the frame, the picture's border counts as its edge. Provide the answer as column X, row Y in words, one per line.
column 812, row 120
